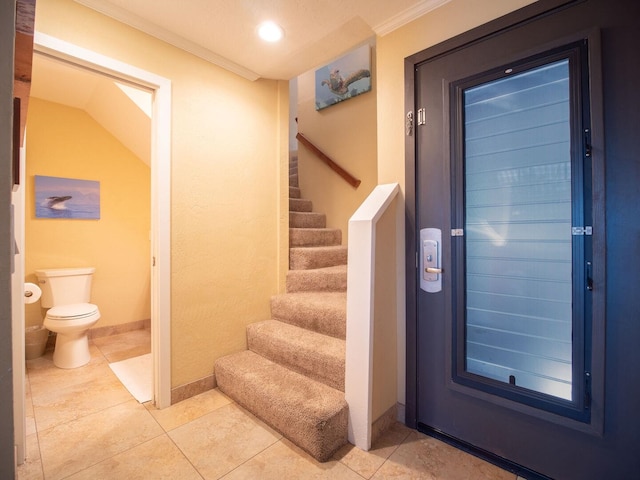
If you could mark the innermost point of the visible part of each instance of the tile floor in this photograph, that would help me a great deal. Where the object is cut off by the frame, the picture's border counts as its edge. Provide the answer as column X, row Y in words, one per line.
column 83, row 424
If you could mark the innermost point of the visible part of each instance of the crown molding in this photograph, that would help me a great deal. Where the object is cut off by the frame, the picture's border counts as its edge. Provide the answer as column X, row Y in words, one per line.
column 407, row 16
column 171, row 38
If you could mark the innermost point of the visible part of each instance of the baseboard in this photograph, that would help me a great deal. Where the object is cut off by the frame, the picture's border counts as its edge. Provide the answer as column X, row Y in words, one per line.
column 109, row 330
column 192, row 389
column 382, row 424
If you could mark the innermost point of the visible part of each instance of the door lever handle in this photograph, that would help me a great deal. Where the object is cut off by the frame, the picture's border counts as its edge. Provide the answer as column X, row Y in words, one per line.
column 430, row 255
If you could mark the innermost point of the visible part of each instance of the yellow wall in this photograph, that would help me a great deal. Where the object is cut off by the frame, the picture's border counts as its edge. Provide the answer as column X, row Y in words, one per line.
column 67, row 142
column 229, row 152
column 346, row 132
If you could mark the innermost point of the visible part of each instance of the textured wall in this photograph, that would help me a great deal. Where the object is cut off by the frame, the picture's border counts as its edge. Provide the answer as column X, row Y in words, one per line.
column 346, row 132
column 228, row 163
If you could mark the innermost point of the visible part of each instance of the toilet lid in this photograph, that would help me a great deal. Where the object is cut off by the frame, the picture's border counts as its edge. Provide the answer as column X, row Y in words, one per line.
column 76, row 310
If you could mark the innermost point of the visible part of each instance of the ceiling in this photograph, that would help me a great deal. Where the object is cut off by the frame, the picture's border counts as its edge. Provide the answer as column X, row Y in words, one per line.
column 224, row 31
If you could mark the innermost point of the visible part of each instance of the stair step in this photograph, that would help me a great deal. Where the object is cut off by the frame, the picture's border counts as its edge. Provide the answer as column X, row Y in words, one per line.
column 312, row 354
column 303, row 258
column 307, row 220
column 294, row 192
column 327, row 279
column 314, row 237
column 300, row 205
column 309, row 413
column 293, row 180
column 322, row 312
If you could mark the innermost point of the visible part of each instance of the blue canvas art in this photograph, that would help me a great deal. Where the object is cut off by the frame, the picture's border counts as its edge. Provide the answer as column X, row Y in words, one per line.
column 343, row 79
column 67, row 198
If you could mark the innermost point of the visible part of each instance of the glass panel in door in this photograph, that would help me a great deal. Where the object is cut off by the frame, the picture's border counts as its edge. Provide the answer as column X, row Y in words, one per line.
column 518, row 241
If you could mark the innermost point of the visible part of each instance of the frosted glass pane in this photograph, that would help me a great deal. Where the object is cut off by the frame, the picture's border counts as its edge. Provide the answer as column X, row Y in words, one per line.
column 518, row 230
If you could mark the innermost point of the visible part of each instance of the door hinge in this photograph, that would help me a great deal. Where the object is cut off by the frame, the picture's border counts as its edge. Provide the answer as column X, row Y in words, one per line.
column 587, row 142
column 581, row 230
column 422, row 116
column 408, row 124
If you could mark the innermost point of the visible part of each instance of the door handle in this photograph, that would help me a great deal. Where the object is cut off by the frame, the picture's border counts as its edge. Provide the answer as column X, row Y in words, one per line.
column 430, row 256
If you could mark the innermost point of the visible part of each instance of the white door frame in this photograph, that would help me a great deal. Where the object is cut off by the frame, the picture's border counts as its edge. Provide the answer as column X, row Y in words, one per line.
column 160, row 193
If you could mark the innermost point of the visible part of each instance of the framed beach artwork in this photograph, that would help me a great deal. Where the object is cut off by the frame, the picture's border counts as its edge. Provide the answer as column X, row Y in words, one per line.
column 67, row 198
column 344, row 78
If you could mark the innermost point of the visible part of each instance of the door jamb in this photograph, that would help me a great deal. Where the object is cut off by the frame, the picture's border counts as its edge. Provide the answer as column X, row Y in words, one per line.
column 160, row 193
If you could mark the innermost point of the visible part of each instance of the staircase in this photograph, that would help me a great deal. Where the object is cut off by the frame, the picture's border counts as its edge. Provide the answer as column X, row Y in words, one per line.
column 292, row 375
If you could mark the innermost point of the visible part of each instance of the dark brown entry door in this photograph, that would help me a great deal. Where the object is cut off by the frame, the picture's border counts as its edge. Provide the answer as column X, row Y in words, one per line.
column 510, row 247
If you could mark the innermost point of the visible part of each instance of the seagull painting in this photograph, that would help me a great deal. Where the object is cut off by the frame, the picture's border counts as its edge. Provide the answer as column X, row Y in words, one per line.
column 340, row 85
column 344, row 78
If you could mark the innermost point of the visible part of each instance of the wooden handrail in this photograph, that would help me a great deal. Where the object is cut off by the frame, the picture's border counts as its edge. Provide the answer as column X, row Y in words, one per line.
column 350, row 179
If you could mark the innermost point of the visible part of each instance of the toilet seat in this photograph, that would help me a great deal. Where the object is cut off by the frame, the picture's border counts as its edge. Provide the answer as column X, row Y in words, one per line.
column 76, row 311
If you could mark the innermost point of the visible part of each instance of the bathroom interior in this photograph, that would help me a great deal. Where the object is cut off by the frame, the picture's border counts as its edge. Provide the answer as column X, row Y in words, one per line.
column 79, row 133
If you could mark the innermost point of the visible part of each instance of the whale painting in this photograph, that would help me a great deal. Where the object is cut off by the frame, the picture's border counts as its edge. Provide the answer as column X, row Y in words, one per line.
column 67, row 198
column 344, row 78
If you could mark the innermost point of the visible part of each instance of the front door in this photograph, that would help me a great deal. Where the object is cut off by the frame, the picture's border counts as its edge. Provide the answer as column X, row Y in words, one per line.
column 509, row 243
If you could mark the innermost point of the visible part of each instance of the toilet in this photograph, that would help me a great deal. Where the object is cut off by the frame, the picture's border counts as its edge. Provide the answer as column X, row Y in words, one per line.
column 66, row 292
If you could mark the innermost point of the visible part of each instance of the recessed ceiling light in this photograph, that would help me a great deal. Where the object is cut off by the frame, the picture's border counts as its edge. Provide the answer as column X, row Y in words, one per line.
column 270, row 31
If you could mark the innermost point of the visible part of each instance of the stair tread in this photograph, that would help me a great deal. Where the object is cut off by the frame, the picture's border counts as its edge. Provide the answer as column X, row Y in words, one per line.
column 294, row 192
column 310, row 257
column 323, row 312
column 307, row 220
column 309, row 413
column 324, row 279
column 315, row 355
column 301, row 237
column 300, row 205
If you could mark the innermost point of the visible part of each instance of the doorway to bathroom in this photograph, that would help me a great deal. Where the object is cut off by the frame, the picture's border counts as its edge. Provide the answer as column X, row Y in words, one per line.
column 129, row 79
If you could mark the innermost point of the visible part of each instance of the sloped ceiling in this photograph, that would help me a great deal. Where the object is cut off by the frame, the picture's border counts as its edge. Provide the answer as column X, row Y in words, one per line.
column 99, row 96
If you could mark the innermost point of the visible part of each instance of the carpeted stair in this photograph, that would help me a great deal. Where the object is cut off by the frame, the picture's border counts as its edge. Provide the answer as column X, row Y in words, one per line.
column 292, row 375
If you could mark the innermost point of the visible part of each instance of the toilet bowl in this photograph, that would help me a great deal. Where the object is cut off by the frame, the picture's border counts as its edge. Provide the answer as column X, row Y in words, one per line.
column 71, row 323
column 66, row 292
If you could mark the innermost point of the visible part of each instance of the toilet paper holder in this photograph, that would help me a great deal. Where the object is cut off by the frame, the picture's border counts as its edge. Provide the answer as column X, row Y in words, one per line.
column 32, row 293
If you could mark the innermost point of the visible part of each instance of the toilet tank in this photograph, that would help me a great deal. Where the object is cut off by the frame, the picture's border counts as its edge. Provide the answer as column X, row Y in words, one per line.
column 64, row 286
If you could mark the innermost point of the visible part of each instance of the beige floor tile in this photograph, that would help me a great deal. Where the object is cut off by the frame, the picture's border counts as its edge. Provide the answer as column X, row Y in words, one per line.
column 43, row 373
column 124, row 345
column 31, row 469
column 367, row 463
column 283, row 461
column 425, row 457
column 222, row 440
column 189, row 409
column 63, row 403
column 71, row 447
column 157, row 459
